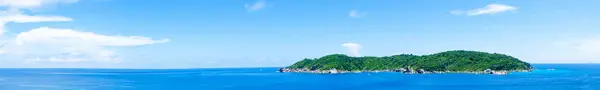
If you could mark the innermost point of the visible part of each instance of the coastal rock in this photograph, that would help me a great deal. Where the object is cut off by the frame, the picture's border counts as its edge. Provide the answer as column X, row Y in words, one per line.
column 399, row 70
column 487, row 71
column 422, row 71
column 499, row 72
column 333, row 71
column 402, row 70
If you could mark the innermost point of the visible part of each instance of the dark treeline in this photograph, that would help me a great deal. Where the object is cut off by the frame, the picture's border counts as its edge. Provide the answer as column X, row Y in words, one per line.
column 457, row 60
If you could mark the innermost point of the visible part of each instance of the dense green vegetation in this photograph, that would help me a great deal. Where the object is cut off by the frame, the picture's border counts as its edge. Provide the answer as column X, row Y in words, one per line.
column 457, row 60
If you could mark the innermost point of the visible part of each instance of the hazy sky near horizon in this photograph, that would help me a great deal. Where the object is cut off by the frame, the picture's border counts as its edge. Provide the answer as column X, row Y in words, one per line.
column 272, row 33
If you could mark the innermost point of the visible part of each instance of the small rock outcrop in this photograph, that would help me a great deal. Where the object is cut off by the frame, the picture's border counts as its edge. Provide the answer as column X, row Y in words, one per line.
column 499, row 72
column 333, row 71
column 487, row 71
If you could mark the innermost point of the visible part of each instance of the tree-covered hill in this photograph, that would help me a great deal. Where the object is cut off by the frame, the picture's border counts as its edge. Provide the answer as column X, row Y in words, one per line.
column 457, row 60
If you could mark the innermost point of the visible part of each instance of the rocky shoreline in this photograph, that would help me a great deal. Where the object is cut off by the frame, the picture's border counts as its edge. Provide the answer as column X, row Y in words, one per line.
column 401, row 70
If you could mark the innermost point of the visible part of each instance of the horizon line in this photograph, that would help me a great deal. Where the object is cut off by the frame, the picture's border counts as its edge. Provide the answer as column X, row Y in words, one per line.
column 212, row 67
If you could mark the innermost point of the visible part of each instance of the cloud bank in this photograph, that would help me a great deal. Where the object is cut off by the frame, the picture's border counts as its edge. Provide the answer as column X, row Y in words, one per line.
column 45, row 35
column 353, row 49
column 66, row 45
column 56, row 45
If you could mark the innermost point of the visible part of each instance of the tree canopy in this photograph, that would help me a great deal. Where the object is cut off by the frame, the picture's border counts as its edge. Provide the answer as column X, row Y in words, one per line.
column 456, row 60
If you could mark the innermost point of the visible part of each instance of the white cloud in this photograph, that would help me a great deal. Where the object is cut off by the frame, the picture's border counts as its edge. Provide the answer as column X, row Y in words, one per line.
column 51, row 45
column 13, row 14
column 356, row 14
column 256, row 6
column 67, row 45
column 20, row 18
column 488, row 9
column 29, row 19
column 30, row 4
column 69, row 37
column 353, row 48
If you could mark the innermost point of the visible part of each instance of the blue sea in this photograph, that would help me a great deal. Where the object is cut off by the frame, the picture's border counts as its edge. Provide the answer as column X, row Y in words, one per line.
column 545, row 77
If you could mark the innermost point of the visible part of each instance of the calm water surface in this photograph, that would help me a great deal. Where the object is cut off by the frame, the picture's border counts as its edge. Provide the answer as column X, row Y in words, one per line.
column 563, row 77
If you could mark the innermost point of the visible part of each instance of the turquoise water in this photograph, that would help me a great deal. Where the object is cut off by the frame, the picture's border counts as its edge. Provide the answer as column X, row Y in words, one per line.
column 563, row 77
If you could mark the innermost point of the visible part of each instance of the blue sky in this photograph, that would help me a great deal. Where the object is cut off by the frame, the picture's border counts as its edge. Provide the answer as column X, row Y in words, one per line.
column 273, row 33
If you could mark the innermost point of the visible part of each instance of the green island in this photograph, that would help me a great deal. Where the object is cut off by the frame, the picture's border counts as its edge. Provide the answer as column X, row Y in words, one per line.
column 456, row 61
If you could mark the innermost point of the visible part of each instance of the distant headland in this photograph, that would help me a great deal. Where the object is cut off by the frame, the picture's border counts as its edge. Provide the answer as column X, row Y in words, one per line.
column 456, row 61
